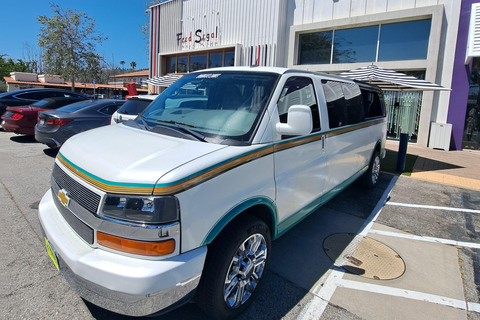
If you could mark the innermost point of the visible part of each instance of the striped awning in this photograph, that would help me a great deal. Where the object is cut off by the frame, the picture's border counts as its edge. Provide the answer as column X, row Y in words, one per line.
column 390, row 80
column 163, row 81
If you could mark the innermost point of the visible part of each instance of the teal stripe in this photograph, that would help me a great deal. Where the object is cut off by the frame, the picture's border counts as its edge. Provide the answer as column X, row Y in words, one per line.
column 212, row 167
column 294, row 219
column 110, row 183
column 241, row 207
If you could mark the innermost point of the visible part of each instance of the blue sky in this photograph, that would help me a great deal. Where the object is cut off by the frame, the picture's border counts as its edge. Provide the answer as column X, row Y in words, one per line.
column 120, row 20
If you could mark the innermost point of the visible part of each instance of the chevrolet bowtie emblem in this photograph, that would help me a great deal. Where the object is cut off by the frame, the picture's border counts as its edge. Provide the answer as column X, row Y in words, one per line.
column 64, row 199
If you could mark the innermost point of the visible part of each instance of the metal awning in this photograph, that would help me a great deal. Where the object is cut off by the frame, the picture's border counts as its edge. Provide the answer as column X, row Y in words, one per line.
column 390, row 80
column 163, row 81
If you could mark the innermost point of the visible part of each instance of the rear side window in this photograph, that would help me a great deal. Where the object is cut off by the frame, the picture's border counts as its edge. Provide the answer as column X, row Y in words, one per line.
column 133, row 106
column 349, row 104
column 336, row 105
column 27, row 95
column 109, row 110
column 373, row 104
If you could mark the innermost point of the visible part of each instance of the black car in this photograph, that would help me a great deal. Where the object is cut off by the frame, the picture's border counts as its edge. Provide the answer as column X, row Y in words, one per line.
column 55, row 127
column 26, row 97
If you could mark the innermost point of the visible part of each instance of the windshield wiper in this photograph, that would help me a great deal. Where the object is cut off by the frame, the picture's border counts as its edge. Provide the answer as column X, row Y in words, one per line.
column 145, row 124
column 183, row 128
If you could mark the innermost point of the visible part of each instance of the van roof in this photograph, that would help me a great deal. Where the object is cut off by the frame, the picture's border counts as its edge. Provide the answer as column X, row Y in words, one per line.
column 278, row 70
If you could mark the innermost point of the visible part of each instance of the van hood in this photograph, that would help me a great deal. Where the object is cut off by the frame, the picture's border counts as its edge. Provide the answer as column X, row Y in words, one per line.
column 119, row 158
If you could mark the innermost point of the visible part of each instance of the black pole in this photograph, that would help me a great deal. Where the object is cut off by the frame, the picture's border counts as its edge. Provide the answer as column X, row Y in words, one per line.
column 402, row 152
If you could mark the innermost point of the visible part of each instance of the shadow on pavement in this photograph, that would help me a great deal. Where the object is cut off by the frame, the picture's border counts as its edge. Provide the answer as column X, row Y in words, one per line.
column 51, row 152
column 23, row 139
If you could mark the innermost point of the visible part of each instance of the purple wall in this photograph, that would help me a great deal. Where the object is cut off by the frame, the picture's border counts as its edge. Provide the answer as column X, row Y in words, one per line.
column 457, row 106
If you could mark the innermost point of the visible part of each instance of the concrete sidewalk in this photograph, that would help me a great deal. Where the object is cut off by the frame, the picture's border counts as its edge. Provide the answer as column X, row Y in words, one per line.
column 454, row 168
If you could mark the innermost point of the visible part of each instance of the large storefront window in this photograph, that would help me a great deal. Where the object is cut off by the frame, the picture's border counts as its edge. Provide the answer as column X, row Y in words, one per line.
column 403, row 111
column 396, row 37
column 192, row 62
column 471, row 134
column 215, row 60
column 395, row 41
column 315, row 48
column 355, row 45
column 198, row 62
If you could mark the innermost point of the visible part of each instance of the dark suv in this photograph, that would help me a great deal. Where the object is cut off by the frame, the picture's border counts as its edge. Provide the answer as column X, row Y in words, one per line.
column 26, row 97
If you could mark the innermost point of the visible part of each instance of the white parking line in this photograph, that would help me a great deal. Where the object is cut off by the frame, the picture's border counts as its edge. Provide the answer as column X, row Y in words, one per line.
column 420, row 206
column 324, row 288
column 427, row 239
column 403, row 293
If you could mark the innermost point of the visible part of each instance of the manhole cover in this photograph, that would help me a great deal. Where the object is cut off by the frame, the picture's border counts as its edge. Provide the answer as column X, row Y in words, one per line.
column 364, row 256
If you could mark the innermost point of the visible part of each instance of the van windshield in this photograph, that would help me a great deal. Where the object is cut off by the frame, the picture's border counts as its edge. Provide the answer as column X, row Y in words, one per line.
column 222, row 106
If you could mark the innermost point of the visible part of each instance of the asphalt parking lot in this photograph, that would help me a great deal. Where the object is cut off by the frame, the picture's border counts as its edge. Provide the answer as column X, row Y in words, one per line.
column 408, row 249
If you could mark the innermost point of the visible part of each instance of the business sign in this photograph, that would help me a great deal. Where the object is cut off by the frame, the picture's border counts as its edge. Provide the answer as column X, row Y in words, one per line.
column 197, row 37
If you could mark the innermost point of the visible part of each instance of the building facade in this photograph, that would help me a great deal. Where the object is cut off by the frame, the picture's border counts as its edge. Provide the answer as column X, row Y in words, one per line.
column 424, row 38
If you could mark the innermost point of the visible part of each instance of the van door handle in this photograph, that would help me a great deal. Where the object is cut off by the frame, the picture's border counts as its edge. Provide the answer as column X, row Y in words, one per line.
column 323, row 144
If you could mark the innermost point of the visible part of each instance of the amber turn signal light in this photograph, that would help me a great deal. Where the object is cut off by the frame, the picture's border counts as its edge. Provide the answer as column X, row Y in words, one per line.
column 144, row 248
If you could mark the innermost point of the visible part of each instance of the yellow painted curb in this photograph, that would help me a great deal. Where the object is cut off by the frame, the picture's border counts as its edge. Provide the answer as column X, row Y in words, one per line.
column 447, row 179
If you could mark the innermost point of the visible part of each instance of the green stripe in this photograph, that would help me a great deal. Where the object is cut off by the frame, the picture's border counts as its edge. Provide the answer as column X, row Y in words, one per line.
column 295, row 218
column 241, row 207
column 110, row 183
column 284, row 145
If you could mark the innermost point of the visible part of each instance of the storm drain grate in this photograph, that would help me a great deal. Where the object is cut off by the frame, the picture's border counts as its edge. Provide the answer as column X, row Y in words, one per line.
column 364, row 256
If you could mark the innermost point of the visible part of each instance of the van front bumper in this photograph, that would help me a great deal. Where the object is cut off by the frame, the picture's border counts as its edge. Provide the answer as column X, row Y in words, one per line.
column 119, row 283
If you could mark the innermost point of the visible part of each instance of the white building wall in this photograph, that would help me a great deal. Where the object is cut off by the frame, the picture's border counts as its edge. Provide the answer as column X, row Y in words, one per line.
column 315, row 15
column 253, row 27
column 265, row 33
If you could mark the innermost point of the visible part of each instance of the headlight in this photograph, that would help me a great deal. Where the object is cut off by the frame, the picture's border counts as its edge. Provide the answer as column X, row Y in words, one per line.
column 150, row 210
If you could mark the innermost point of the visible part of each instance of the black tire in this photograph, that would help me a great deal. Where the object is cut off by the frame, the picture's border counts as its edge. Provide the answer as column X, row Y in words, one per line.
column 370, row 178
column 221, row 261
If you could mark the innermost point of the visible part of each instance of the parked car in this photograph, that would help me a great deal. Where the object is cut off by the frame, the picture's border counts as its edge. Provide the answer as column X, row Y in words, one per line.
column 131, row 109
column 25, row 97
column 22, row 120
column 55, row 127
column 182, row 203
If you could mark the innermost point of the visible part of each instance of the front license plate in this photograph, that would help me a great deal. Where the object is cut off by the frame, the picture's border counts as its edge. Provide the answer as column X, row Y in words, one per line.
column 51, row 253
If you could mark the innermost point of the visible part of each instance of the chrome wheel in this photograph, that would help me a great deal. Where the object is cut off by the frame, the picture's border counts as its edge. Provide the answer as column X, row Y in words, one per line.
column 245, row 270
column 375, row 170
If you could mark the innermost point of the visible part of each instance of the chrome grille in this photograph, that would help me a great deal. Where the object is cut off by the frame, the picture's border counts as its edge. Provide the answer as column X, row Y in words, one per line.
column 80, row 227
column 83, row 196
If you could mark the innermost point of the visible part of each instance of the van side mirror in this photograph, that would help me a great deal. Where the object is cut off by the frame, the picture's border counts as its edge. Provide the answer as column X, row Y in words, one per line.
column 299, row 122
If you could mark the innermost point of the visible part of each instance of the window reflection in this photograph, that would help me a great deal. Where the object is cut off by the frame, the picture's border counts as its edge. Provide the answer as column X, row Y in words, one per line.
column 396, row 41
column 355, row 45
column 171, row 62
column 198, row 62
column 315, row 48
column 215, row 60
column 471, row 133
column 229, row 59
column 182, row 64
column 397, row 37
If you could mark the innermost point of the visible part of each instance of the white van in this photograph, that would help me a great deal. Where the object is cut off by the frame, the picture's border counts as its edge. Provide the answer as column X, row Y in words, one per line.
column 182, row 203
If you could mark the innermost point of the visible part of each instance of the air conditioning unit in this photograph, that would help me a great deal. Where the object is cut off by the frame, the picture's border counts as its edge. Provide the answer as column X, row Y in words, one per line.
column 440, row 134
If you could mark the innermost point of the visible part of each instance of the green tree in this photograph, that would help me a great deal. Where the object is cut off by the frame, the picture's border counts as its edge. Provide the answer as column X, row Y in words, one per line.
column 133, row 64
column 9, row 65
column 122, row 63
column 68, row 39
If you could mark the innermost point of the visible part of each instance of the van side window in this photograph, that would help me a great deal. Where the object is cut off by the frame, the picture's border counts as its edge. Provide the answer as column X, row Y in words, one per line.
column 299, row 90
column 336, row 106
column 373, row 106
column 354, row 103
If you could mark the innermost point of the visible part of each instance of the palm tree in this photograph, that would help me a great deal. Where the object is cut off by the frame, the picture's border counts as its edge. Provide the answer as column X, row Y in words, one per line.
column 133, row 64
column 122, row 63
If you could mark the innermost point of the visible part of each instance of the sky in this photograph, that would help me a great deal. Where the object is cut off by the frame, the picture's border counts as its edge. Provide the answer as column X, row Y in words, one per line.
column 119, row 20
